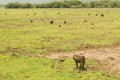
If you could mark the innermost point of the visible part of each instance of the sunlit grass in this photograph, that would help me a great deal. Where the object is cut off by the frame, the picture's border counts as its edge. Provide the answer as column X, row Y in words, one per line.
column 82, row 31
column 26, row 68
column 18, row 34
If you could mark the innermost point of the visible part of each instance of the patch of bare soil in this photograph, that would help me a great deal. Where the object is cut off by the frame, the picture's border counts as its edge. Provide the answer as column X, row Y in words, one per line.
column 108, row 58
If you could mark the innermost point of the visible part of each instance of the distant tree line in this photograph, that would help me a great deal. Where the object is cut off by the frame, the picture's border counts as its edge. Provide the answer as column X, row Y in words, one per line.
column 18, row 5
column 1, row 5
column 68, row 4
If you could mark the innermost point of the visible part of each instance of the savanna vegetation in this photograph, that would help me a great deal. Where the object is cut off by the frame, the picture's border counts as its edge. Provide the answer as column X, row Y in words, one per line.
column 27, row 32
column 27, row 68
column 30, row 31
column 68, row 4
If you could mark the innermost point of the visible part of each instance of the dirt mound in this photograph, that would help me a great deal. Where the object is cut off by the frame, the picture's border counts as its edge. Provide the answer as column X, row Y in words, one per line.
column 108, row 58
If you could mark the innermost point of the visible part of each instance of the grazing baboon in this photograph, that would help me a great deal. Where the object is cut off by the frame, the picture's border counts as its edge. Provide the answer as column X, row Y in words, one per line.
column 15, row 55
column 92, row 23
column 41, row 19
column 85, row 21
column 51, row 22
column 65, row 22
column 96, row 14
column 79, row 59
column 88, row 13
column 102, row 15
column 58, row 13
column 31, row 21
column 59, row 25
column 34, row 14
column 27, row 14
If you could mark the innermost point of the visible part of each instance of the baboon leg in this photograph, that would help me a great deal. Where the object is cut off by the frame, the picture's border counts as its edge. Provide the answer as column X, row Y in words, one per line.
column 83, row 61
column 76, row 64
column 80, row 65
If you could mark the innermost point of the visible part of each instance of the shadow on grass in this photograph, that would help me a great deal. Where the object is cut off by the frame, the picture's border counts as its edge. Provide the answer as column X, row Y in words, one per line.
column 79, row 70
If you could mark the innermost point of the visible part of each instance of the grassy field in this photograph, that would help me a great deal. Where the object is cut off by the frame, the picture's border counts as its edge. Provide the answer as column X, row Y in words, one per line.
column 83, row 29
column 26, row 68
column 28, row 31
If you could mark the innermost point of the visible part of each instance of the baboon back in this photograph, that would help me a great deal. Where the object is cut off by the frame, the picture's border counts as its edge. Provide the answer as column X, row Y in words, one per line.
column 77, row 58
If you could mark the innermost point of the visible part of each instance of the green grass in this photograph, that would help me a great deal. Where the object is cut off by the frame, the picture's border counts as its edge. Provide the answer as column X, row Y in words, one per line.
column 19, row 35
column 26, row 68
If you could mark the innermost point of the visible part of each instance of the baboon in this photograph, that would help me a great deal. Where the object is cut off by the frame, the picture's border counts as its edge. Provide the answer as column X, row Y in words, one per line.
column 27, row 14
column 79, row 59
column 15, row 55
column 51, row 22
column 85, row 21
column 92, row 23
column 65, row 22
column 102, row 15
column 31, row 21
column 88, row 13
column 34, row 14
column 96, row 14
column 59, row 25
column 58, row 13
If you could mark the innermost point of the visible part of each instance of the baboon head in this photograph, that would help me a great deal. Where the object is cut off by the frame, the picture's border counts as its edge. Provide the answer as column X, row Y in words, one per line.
column 79, row 59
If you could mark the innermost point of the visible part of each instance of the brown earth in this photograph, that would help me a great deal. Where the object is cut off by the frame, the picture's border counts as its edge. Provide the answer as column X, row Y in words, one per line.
column 108, row 58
